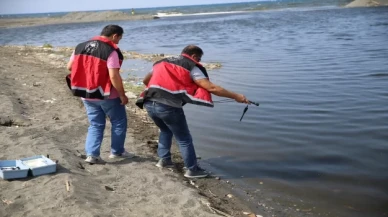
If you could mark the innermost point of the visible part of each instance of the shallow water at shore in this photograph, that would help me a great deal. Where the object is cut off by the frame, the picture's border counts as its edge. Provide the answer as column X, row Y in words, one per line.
column 319, row 137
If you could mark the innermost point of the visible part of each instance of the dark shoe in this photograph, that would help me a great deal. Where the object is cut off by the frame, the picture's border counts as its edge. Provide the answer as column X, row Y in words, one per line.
column 197, row 173
column 165, row 163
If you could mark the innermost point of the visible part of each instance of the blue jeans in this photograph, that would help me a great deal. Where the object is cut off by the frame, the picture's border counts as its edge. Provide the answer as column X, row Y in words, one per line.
column 172, row 122
column 97, row 112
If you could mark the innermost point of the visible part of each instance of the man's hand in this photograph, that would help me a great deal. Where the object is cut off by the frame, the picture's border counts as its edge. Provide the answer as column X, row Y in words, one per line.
column 241, row 99
column 124, row 100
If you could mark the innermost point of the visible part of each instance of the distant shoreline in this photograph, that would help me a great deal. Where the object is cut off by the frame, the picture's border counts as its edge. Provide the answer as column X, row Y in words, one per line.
column 367, row 3
column 104, row 16
column 72, row 17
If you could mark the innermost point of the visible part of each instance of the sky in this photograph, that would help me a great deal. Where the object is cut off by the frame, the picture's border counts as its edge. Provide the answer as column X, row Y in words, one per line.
column 43, row 6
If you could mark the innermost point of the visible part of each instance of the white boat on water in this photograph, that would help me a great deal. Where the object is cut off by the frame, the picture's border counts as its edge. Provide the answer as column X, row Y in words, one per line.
column 177, row 14
column 168, row 14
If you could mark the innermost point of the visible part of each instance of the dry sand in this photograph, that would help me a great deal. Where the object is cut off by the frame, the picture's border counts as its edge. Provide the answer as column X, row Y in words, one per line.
column 368, row 3
column 40, row 116
column 73, row 17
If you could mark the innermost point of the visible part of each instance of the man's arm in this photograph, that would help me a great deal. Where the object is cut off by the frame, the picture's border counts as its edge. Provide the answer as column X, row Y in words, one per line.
column 147, row 78
column 69, row 64
column 113, row 64
column 220, row 91
column 117, row 83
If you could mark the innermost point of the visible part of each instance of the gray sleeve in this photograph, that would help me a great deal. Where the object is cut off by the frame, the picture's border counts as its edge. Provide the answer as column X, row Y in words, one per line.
column 196, row 74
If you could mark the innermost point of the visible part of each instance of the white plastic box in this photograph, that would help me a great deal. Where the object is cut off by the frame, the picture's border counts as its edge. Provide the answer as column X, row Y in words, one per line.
column 39, row 165
column 6, row 172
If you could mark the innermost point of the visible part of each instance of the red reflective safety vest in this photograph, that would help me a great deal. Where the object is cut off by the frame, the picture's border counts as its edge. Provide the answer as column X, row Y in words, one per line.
column 89, row 76
column 171, row 79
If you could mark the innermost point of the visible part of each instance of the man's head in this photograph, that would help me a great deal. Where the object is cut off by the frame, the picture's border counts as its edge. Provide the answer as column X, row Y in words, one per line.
column 113, row 33
column 194, row 52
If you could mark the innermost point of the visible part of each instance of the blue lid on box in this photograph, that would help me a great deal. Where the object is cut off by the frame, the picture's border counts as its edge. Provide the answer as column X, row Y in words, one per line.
column 13, row 169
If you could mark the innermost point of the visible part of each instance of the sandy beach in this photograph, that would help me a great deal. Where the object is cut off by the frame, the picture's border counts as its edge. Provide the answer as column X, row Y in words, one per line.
column 367, row 3
column 40, row 116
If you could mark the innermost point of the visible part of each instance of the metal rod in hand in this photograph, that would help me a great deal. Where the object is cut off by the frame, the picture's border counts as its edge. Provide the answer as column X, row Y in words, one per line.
column 245, row 110
column 254, row 103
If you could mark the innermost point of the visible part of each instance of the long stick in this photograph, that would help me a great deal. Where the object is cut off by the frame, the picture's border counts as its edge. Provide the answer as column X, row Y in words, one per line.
column 67, row 185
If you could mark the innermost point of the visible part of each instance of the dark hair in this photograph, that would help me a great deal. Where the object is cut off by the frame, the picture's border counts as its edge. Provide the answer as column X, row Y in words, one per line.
column 192, row 49
column 110, row 30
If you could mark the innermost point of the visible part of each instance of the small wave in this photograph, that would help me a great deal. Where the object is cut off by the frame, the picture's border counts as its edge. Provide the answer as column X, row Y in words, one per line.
column 294, row 9
column 380, row 24
column 346, row 39
column 378, row 75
